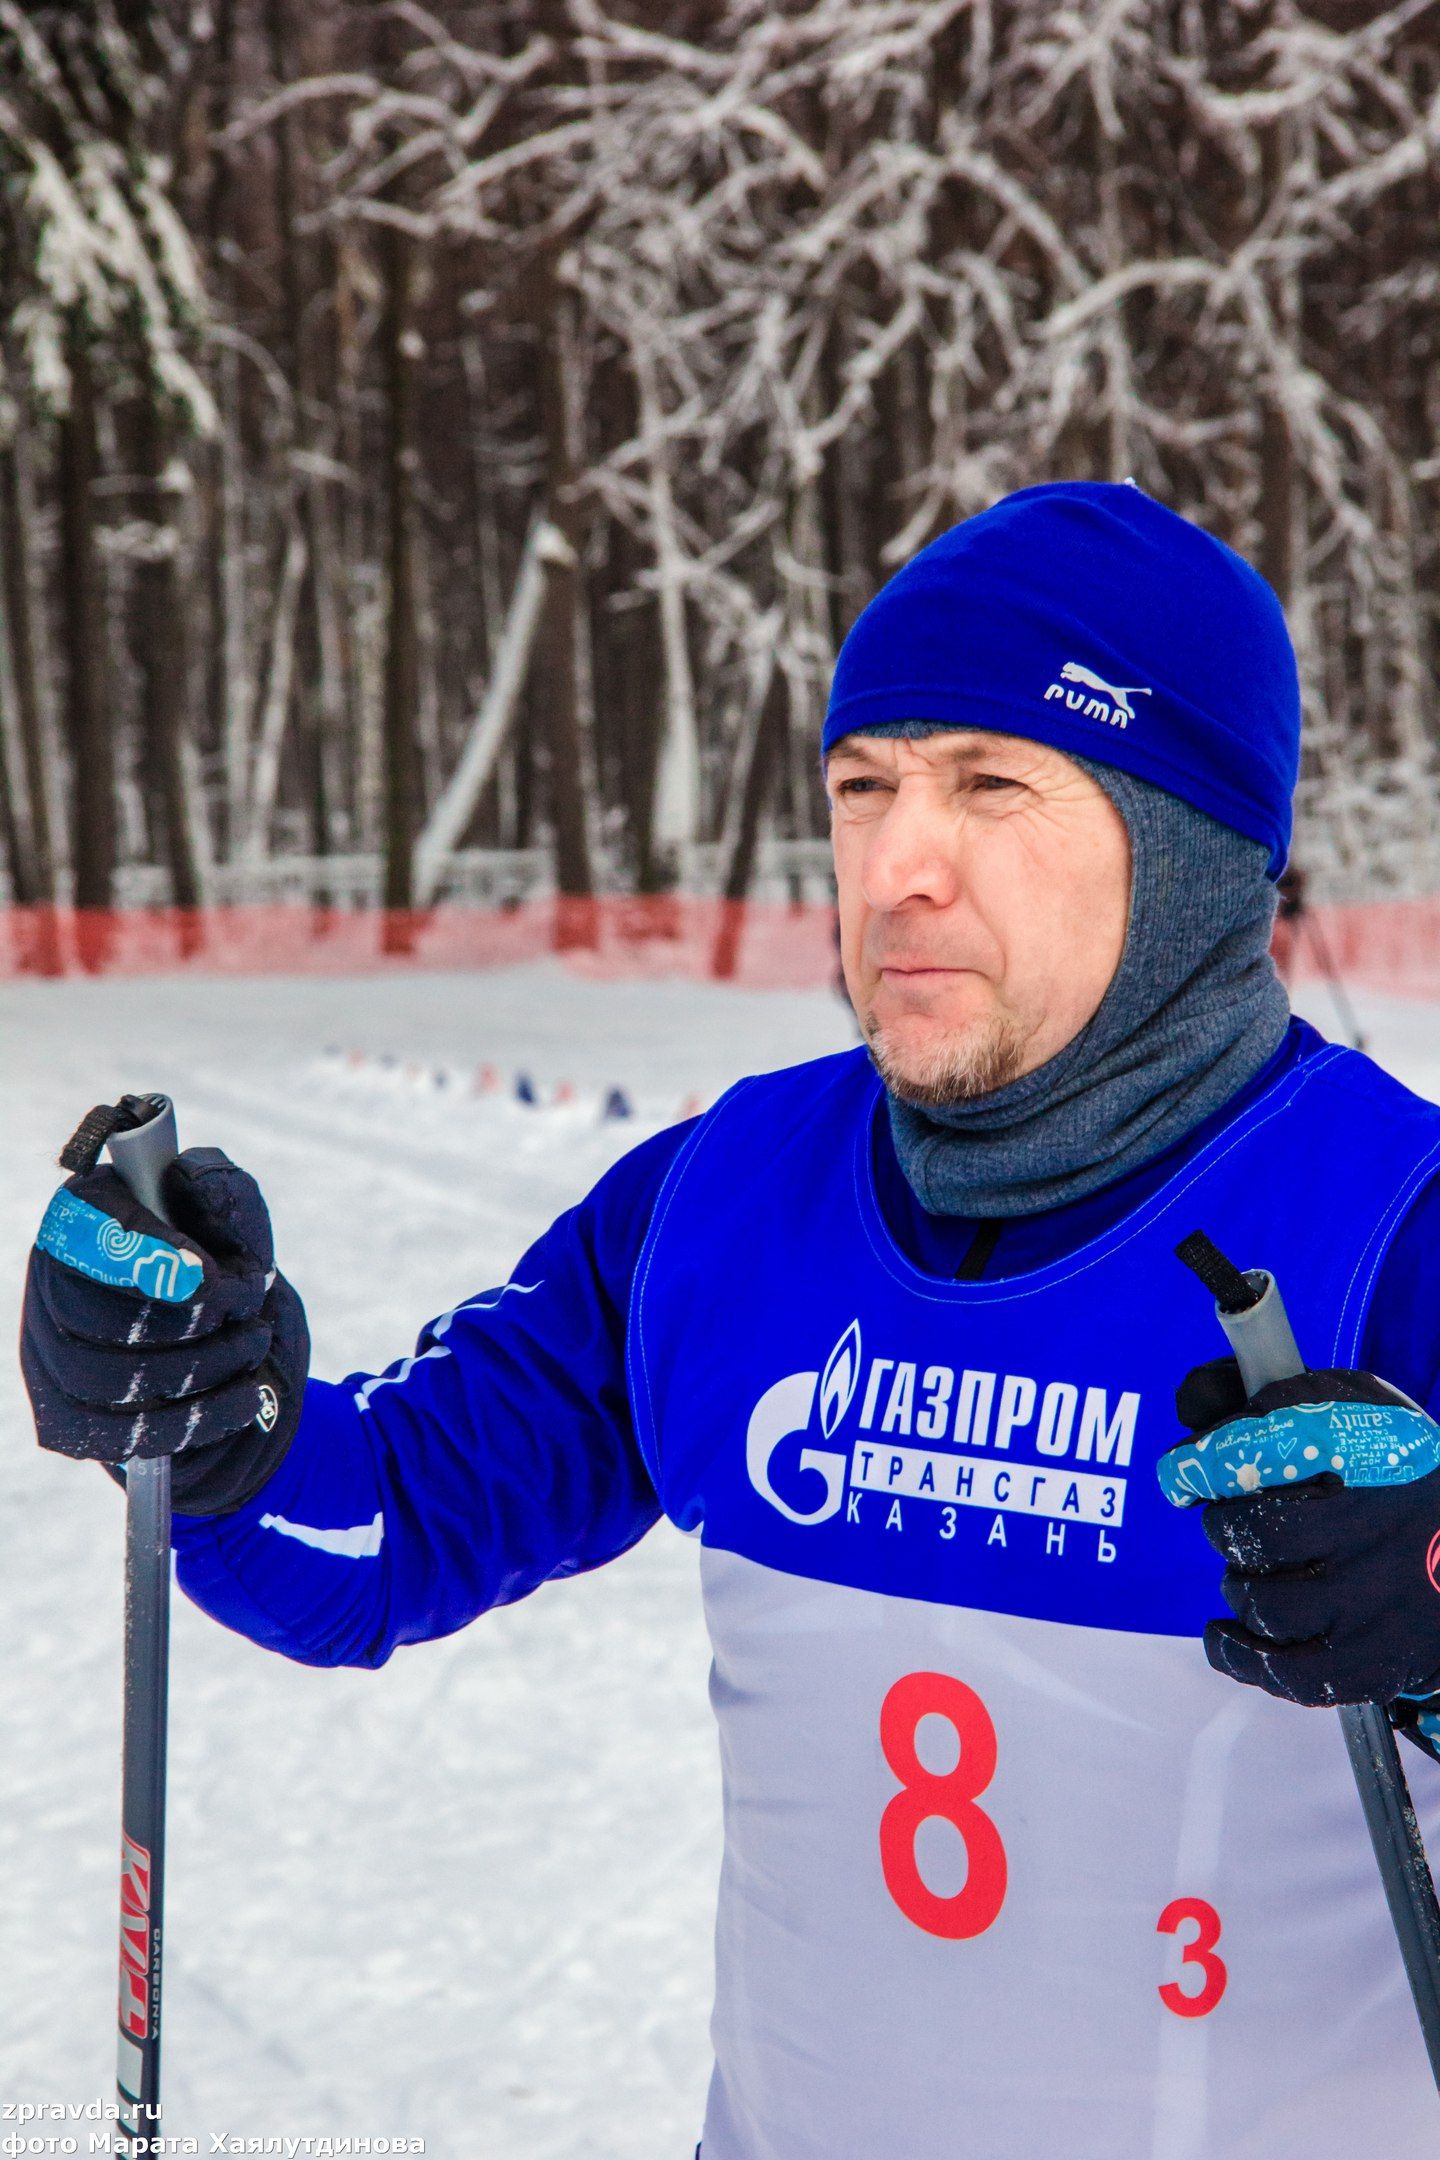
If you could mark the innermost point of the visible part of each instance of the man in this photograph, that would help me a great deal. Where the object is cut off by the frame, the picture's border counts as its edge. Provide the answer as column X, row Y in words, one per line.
column 1012, row 1870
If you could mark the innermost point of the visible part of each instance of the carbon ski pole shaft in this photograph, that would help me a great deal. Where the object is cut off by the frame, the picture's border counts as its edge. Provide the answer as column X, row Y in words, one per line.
column 140, row 1155
column 1249, row 1307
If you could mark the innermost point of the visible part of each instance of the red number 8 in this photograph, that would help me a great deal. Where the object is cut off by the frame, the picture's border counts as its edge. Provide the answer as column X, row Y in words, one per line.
column 949, row 1797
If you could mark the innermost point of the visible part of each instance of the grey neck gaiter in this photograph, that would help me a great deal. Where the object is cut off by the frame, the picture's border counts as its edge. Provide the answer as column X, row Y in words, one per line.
column 1194, row 1010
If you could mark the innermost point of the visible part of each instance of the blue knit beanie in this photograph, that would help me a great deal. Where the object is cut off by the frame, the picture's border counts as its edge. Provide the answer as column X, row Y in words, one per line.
column 1086, row 615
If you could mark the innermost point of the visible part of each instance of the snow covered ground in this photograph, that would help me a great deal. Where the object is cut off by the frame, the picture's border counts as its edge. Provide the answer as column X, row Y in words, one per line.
column 467, row 1898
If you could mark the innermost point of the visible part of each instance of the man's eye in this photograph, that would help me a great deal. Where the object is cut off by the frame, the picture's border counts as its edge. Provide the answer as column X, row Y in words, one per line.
column 858, row 786
column 989, row 781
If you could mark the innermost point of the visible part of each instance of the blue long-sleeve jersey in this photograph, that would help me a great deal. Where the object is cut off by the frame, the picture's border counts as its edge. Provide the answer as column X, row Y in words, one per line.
column 503, row 1452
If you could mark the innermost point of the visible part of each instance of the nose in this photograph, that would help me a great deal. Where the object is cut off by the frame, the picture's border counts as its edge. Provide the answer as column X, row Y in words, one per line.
column 912, row 852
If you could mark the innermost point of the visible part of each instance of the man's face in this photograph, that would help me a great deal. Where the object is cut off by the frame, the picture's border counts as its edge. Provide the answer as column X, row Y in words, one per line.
column 984, row 894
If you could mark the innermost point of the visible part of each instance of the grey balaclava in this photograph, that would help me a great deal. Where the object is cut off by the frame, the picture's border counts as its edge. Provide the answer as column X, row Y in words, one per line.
column 1194, row 1010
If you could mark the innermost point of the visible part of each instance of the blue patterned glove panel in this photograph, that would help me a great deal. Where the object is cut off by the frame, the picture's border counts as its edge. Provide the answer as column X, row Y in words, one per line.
column 1363, row 1444
column 1322, row 1495
column 91, row 1242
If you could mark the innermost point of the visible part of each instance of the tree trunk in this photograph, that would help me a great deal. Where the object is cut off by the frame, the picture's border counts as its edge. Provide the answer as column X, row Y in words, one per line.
column 230, row 688
column 14, row 834
column 18, row 590
column 765, row 744
column 26, row 887
column 1277, row 501
column 675, row 815
column 558, row 690
column 160, row 652
column 1277, row 472
column 227, row 686
column 844, row 483
column 315, row 687
column 274, row 702
column 456, row 803
column 402, row 659
column 86, row 708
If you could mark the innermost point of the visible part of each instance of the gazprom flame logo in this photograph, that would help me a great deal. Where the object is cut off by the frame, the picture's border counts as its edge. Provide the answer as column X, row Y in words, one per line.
column 784, row 1411
column 837, row 1382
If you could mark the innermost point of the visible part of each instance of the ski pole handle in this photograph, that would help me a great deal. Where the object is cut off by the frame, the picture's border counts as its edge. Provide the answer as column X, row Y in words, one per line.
column 141, row 1155
column 1252, row 1312
column 1261, row 1336
column 144, row 1153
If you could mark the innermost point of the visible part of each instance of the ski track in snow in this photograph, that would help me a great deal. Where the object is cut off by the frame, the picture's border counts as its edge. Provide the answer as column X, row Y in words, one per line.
column 468, row 1898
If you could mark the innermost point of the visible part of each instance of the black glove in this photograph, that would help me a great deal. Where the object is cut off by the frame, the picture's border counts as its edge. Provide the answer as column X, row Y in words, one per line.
column 1332, row 1542
column 181, row 1342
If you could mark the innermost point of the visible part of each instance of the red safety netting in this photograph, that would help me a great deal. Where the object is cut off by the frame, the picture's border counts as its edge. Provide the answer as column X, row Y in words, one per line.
column 770, row 945
column 1388, row 945
column 1391, row 945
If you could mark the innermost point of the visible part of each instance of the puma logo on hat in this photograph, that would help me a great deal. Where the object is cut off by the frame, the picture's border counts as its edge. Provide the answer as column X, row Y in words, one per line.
column 1118, row 694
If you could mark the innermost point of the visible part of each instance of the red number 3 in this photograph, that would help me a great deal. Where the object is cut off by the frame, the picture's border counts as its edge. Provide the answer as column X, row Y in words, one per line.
column 948, row 1797
column 1201, row 1952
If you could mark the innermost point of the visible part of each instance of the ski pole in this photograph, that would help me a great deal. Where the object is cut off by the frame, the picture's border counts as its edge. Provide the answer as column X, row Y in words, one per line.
column 1320, row 946
column 141, row 1155
column 1250, row 1309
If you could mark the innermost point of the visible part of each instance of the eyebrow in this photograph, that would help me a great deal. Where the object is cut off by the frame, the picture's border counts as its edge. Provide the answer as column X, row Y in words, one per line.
column 980, row 744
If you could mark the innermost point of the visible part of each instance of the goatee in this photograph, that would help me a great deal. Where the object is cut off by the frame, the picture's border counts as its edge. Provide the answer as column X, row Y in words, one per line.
column 985, row 1058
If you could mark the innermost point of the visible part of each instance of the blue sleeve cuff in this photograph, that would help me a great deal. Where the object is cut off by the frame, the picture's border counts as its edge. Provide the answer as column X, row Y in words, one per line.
column 301, row 1568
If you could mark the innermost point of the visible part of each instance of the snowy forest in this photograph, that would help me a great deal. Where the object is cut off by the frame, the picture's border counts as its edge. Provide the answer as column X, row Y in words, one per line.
column 443, row 445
